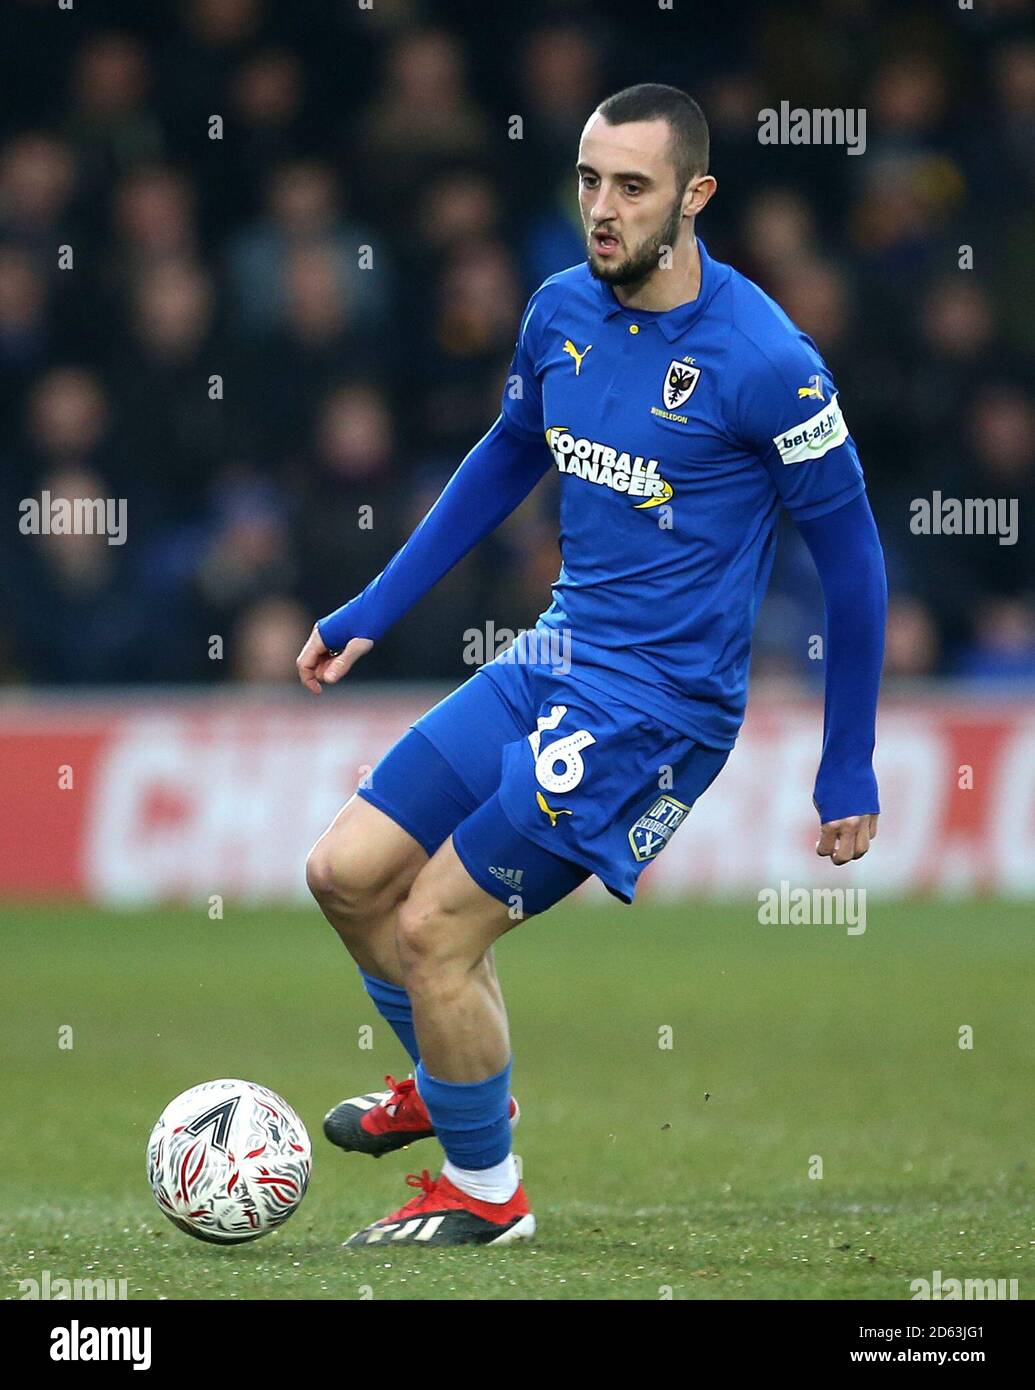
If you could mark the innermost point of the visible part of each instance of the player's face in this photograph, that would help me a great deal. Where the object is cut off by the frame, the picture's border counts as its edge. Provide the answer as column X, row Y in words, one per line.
column 631, row 207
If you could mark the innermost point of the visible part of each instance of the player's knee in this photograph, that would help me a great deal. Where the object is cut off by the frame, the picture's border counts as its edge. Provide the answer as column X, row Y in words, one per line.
column 416, row 931
column 426, row 942
column 349, row 884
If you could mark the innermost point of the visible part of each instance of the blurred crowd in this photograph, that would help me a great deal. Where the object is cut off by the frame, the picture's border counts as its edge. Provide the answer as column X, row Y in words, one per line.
column 277, row 344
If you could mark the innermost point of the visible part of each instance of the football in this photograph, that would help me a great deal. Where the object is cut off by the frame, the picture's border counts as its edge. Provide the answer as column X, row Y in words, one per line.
column 228, row 1161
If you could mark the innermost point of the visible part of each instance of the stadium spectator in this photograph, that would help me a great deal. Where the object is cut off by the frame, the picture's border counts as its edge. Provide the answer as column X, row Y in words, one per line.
column 912, row 643
column 266, row 640
column 423, row 119
column 75, row 611
column 25, row 332
column 37, row 181
column 111, row 123
column 347, row 487
column 303, row 210
column 1002, row 648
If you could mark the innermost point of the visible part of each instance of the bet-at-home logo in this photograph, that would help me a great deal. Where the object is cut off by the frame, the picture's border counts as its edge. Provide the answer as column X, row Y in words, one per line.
column 607, row 467
column 813, row 437
column 652, row 831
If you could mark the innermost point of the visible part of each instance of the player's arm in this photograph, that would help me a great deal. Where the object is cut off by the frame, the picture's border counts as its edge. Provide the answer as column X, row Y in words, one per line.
column 494, row 478
column 786, row 407
column 847, row 553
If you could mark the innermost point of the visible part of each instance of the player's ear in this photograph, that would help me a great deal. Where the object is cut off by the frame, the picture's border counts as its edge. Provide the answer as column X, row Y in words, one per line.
column 698, row 192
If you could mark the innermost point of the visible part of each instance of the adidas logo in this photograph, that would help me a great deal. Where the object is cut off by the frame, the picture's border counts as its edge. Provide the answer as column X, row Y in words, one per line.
column 511, row 877
column 417, row 1228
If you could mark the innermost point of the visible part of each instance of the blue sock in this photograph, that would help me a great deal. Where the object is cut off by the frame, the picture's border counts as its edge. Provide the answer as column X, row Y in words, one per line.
column 393, row 1004
column 471, row 1119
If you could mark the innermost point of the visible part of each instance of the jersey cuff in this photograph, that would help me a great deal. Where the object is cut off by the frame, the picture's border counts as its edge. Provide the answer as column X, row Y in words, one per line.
column 832, row 504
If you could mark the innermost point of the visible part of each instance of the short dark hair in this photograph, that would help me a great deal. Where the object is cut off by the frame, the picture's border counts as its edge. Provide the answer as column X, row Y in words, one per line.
column 652, row 101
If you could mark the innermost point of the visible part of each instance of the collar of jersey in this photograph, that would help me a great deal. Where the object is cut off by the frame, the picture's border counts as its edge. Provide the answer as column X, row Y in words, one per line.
column 673, row 323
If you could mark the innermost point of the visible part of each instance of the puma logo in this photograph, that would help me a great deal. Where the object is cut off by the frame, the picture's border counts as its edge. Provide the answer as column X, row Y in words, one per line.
column 541, row 799
column 572, row 351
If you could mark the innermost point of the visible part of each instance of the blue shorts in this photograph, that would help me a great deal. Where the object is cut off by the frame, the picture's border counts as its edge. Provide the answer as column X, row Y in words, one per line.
column 542, row 782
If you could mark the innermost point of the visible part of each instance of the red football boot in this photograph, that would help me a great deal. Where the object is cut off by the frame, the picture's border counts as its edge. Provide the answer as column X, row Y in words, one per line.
column 443, row 1215
column 382, row 1121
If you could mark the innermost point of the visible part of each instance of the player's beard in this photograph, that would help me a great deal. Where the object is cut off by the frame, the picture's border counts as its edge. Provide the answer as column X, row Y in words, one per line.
column 641, row 263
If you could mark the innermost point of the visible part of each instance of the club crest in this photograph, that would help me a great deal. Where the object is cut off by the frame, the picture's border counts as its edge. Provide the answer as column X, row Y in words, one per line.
column 652, row 832
column 680, row 380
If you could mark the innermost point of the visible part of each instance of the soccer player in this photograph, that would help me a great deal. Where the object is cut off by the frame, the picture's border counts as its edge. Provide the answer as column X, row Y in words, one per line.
column 682, row 409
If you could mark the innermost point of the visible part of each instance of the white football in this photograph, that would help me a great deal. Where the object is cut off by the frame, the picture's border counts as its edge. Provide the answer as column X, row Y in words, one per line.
column 228, row 1161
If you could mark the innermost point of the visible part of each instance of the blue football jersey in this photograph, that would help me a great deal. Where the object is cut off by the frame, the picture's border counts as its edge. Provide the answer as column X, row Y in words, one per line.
column 677, row 435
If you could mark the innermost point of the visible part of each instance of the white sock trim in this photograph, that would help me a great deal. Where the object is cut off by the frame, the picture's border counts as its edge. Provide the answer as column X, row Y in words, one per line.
column 496, row 1184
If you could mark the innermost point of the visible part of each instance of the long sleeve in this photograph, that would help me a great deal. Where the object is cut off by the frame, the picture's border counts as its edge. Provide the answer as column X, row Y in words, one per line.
column 494, row 478
column 847, row 553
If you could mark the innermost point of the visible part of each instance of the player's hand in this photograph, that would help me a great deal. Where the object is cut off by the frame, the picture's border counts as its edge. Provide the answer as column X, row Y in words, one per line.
column 843, row 840
column 316, row 666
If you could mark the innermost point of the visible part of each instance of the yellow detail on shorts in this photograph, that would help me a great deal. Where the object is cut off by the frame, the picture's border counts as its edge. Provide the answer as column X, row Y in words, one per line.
column 541, row 803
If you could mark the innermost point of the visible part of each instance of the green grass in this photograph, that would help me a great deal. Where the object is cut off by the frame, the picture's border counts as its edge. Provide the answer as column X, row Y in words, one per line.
column 806, row 1041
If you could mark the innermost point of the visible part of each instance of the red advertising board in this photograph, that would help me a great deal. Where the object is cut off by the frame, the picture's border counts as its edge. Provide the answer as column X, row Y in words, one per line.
column 137, row 799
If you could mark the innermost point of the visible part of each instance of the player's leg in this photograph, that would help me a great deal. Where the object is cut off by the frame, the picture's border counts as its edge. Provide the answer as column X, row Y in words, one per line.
column 359, row 871
column 430, row 780
column 478, row 886
column 362, row 868
column 446, row 929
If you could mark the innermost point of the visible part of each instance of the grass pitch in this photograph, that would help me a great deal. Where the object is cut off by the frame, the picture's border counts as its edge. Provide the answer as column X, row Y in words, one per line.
column 660, row 1164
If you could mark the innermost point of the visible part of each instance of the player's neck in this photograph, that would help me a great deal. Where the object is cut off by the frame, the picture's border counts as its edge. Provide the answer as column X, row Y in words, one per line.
column 666, row 288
